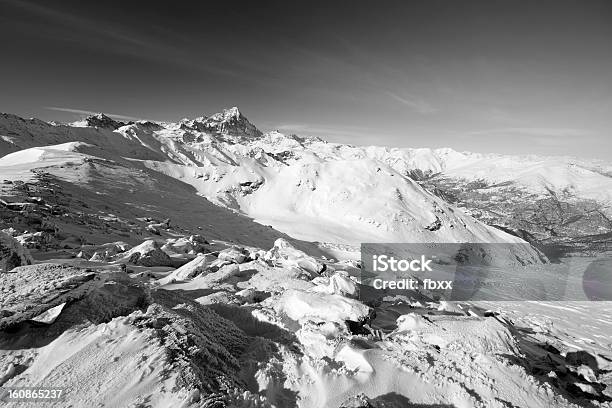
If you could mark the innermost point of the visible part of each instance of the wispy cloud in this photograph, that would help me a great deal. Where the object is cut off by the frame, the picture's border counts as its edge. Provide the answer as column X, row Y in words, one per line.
column 343, row 134
column 123, row 40
column 88, row 112
column 82, row 24
column 320, row 130
column 543, row 137
column 532, row 131
column 416, row 104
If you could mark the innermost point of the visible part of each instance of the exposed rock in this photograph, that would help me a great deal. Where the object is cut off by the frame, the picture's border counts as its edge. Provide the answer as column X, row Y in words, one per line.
column 102, row 121
column 230, row 122
column 155, row 227
column 103, row 252
column 153, row 230
column 582, row 358
column 148, row 253
column 97, row 257
column 12, row 253
column 8, row 373
column 193, row 244
column 31, row 292
column 357, row 401
column 35, row 200
column 49, row 316
column 205, row 347
column 234, row 255
column 187, row 271
column 434, row 226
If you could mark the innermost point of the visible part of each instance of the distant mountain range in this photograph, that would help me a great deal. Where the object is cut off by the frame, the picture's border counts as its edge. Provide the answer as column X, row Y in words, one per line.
column 336, row 193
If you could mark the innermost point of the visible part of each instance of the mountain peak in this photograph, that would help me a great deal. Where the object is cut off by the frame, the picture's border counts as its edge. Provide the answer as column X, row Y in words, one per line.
column 232, row 112
column 228, row 122
column 229, row 115
column 101, row 120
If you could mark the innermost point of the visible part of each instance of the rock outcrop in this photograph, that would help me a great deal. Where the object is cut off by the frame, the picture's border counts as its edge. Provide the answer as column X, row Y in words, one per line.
column 12, row 253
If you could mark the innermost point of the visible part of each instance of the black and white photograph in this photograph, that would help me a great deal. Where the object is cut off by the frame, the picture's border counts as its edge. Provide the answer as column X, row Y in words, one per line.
column 306, row 204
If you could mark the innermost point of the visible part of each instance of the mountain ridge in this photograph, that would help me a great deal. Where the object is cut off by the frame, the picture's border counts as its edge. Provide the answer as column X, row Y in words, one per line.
column 275, row 178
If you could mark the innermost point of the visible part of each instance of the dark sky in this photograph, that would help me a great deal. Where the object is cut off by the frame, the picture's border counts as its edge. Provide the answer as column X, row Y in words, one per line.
column 489, row 76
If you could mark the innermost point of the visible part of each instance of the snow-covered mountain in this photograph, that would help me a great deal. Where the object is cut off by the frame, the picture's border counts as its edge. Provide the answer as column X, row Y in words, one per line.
column 306, row 187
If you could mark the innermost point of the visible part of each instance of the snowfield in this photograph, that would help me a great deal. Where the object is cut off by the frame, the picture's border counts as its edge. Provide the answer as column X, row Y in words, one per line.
column 206, row 264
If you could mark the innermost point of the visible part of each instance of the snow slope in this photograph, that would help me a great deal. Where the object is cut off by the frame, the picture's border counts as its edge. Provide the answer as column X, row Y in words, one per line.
column 263, row 333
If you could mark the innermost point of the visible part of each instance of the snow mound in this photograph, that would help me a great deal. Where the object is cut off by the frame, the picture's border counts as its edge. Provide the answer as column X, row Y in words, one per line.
column 283, row 254
column 175, row 353
column 460, row 333
column 411, row 321
column 51, row 154
column 300, row 306
column 339, row 283
column 21, row 157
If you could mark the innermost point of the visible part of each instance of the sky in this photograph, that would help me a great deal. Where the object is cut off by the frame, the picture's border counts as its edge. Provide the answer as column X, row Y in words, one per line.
column 514, row 77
